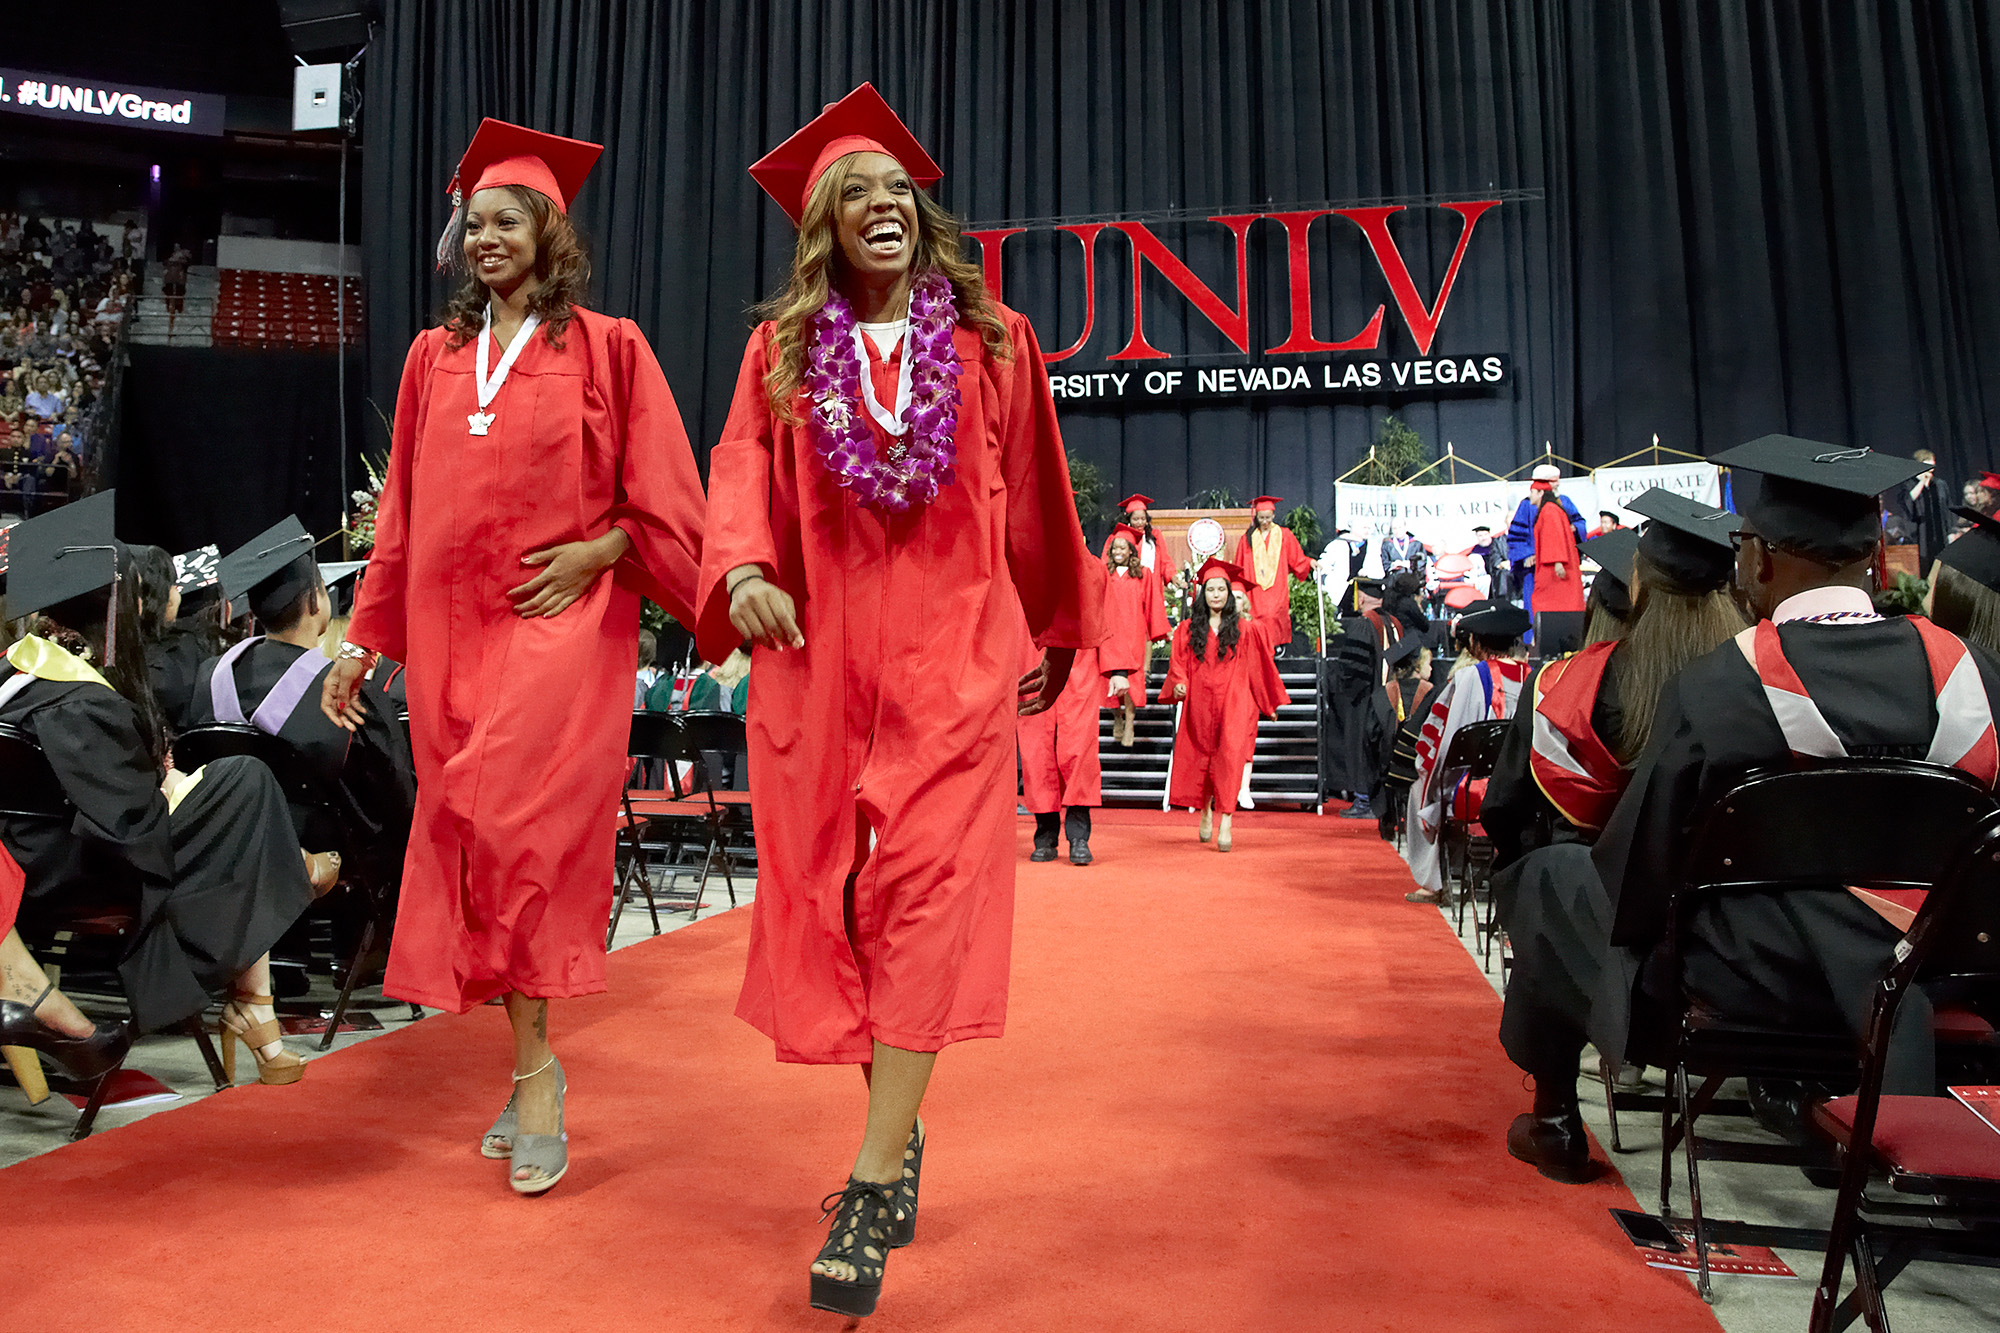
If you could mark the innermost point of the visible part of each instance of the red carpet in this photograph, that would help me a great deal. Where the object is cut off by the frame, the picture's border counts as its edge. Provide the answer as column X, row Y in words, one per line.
column 1255, row 1091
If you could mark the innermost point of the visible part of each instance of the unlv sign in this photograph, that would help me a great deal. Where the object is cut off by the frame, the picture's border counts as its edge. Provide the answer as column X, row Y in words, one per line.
column 1128, row 377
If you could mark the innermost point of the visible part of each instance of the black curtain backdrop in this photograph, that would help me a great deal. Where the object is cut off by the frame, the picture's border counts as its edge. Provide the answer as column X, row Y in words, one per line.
column 1723, row 217
column 220, row 443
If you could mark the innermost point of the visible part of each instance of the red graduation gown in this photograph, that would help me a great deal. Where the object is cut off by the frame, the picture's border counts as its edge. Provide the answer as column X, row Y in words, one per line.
column 895, row 717
column 1273, row 605
column 1135, row 615
column 1218, row 732
column 518, row 727
column 1162, row 564
column 1555, row 544
column 1060, row 766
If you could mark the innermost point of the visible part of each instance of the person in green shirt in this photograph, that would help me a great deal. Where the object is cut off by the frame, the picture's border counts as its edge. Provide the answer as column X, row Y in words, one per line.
column 721, row 689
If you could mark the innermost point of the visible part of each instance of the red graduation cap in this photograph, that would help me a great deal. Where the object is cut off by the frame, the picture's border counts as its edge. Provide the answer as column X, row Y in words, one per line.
column 1129, row 534
column 504, row 154
column 1215, row 567
column 860, row 122
column 1990, row 481
column 1136, row 501
column 1272, row 500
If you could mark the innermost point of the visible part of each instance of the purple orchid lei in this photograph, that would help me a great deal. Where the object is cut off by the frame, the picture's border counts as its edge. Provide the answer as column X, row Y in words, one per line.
column 922, row 460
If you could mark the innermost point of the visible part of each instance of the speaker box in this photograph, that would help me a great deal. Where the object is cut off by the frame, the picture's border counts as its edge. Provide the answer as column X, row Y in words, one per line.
column 326, row 25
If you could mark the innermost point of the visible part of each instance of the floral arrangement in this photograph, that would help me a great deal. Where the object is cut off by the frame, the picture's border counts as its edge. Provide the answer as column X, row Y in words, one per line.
column 361, row 522
column 923, row 459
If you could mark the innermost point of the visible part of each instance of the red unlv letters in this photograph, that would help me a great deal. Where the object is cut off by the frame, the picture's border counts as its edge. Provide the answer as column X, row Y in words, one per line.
column 1234, row 321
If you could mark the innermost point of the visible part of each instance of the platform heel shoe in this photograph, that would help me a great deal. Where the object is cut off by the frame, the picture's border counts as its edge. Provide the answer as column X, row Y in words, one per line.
column 547, row 1153
column 903, row 1227
column 274, row 1071
column 863, row 1214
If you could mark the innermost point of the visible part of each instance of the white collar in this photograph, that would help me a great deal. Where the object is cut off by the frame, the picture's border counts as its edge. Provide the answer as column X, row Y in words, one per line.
column 1848, row 604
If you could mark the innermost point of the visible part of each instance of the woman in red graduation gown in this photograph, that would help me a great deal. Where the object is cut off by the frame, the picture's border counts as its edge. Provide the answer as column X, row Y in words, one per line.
column 1135, row 618
column 1062, row 778
column 540, row 481
column 1270, row 558
column 1223, row 675
column 1152, row 551
column 887, row 500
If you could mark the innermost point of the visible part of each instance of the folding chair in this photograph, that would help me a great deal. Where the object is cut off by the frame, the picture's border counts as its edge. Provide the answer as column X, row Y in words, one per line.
column 1940, row 1161
column 1770, row 834
column 1474, row 749
column 30, row 791
column 325, row 807
column 653, row 736
column 703, row 735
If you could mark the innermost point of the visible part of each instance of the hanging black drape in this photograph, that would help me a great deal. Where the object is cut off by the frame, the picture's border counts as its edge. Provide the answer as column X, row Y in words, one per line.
column 1725, row 217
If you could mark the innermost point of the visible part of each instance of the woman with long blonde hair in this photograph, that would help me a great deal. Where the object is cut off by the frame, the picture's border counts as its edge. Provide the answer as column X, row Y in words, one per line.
column 889, row 497
column 539, row 482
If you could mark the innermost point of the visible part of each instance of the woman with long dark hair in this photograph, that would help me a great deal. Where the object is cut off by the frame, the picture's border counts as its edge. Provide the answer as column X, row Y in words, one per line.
column 889, row 498
column 1224, row 679
column 1562, row 768
column 539, row 482
column 1135, row 618
column 174, row 651
column 208, row 860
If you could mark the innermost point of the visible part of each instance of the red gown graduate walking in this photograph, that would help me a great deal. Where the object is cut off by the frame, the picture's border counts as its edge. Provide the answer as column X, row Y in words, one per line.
column 1222, row 696
column 1135, row 618
column 1270, row 558
column 518, row 723
column 1555, row 546
column 1059, row 758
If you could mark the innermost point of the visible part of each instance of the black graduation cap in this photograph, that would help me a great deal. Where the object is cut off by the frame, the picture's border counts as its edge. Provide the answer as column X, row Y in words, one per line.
column 1817, row 497
column 1976, row 553
column 339, row 578
column 1687, row 541
column 1613, row 553
column 197, row 569
column 1403, row 649
column 1505, row 621
column 64, row 553
column 273, row 568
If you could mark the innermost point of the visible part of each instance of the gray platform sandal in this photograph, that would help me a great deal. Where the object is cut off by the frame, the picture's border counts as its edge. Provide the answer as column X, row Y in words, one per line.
column 499, row 1141
column 546, row 1153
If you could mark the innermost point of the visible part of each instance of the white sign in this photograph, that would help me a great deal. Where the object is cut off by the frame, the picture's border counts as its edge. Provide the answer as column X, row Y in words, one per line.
column 1700, row 482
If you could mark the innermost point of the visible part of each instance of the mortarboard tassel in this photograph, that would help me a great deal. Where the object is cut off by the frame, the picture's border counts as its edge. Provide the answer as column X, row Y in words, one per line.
column 451, row 228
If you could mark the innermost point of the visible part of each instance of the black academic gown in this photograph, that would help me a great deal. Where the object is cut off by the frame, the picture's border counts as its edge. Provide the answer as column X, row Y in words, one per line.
column 1353, row 677
column 1808, row 958
column 371, row 767
column 172, row 662
column 214, row 883
column 1569, row 984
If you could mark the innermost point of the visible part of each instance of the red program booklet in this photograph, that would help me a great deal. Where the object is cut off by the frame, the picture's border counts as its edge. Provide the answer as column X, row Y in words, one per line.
column 1742, row 1260
column 1985, row 1103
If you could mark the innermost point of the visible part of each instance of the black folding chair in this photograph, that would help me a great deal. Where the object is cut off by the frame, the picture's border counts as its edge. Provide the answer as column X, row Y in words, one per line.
column 324, row 806
column 30, row 792
column 706, row 737
column 1940, row 1162
column 654, row 736
column 1898, row 824
column 1474, row 749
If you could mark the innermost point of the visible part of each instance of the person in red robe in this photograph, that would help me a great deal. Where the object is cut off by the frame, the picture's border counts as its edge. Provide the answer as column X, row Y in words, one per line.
column 1558, row 581
column 889, row 498
column 1152, row 552
column 1270, row 558
column 537, row 449
column 1062, row 780
column 1223, row 677
column 1135, row 618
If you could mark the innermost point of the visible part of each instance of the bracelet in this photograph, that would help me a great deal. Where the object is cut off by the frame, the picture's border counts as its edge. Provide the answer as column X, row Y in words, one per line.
column 740, row 582
column 354, row 652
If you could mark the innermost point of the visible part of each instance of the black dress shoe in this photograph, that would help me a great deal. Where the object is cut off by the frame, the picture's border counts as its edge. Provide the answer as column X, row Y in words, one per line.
column 1079, row 854
column 1042, row 854
column 1554, row 1145
column 81, row 1057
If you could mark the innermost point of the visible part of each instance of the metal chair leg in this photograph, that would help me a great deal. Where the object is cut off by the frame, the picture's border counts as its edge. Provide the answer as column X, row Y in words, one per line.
column 1610, row 1103
column 194, row 1028
column 646, row 882
column 348, row 983
column 1667, row 1141
column 1702, row 1283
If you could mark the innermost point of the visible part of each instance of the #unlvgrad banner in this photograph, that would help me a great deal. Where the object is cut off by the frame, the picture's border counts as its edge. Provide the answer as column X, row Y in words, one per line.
column 1443, row 517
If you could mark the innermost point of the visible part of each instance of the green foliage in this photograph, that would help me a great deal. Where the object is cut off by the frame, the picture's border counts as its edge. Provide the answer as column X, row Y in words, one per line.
column 1400, row 453
column 653, row 616
column 1307, row 600
column 1215, row 497
column 1905, row 596
column 1086, row 481
column 1303, row 520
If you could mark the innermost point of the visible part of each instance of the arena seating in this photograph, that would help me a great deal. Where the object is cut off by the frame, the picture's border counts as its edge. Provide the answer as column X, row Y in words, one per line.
column 257, row 309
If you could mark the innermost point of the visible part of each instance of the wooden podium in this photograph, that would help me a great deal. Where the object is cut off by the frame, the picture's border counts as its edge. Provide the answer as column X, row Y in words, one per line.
column 1170, row 528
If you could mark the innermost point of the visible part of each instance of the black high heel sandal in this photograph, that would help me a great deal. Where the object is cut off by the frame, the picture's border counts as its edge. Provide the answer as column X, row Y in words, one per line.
column 863, row 1214
column 82, row 1058
column 903, row 1227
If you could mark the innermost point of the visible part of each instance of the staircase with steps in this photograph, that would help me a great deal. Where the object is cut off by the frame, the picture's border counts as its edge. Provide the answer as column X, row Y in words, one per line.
column 191, row 326
column 1286, row 771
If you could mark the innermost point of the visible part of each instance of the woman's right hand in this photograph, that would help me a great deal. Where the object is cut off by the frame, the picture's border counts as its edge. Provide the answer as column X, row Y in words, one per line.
column 1180, row 691
column 761, row 611
column 340, row 692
